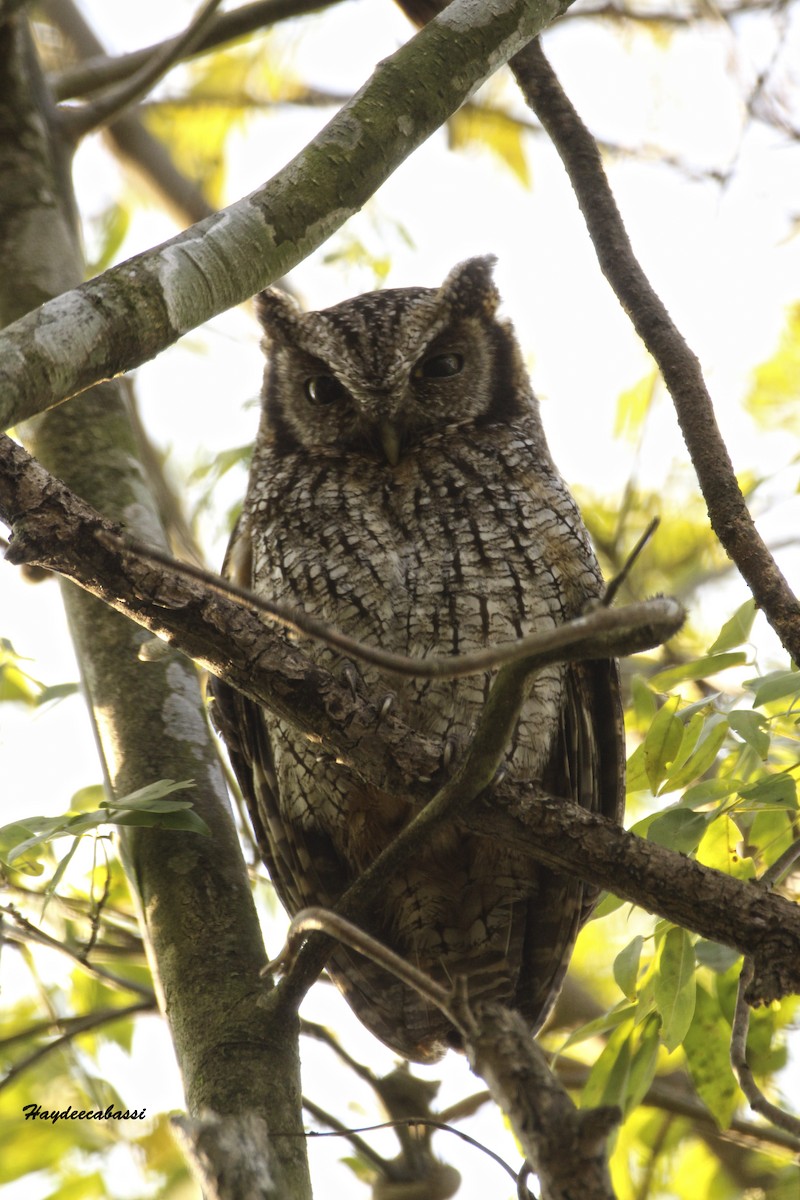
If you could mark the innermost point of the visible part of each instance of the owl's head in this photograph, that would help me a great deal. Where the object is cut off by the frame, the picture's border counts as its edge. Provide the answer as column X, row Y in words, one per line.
column 380, row 373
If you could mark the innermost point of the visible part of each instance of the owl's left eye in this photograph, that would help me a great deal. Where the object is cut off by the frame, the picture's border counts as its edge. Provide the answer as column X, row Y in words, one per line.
column 439, row 366
column 323, row 390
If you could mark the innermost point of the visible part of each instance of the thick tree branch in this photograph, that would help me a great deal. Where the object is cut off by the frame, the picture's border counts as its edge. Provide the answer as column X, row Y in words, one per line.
column 54, row 527
column 57, row 529
column 134, row 310
column 727, row 509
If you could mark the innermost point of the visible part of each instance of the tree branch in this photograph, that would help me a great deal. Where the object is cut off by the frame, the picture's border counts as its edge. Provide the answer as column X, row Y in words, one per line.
column 726, row 505
column 101, row 70
column 76, row 123
column 562, row 1143
column 131, row 312
column 59, row 530
column 133, row 143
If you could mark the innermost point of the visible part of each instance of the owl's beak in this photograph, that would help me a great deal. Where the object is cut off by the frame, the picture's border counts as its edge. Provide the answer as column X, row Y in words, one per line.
column 390, row 441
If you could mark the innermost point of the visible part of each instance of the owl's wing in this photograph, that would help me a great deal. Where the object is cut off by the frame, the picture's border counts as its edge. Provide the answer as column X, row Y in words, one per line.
column 587, row 767
column 291, row 861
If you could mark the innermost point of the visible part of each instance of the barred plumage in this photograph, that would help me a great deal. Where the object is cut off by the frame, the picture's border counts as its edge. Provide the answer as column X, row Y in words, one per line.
column 402, row 489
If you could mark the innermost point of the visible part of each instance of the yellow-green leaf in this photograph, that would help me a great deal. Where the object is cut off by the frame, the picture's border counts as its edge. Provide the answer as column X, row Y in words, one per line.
column 662, row 743
column 707, row 1047
column 675, row 986
column 736, row 630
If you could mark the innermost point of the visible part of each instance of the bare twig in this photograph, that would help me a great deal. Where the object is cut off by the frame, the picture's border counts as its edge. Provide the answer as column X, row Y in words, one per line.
column 74, row 1026
column 97, row 72
column 741, row 1024
column 30, row 933
column 561, row 1142
column 727, row 509
column 76, row 123
column 781, row 866
column 598, row 634
column 322, row 920
column 616, row 583
column 132, row 142
column 339, row 1129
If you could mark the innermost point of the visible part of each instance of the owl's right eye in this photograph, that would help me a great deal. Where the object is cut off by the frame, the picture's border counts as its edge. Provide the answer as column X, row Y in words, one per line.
column 322, row 390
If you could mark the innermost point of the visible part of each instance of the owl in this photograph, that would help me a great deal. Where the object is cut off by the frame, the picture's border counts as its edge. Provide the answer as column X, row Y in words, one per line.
column 402, row 490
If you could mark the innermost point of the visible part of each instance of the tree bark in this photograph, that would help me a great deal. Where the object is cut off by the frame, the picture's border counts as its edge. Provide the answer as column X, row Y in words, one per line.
column 197, row 911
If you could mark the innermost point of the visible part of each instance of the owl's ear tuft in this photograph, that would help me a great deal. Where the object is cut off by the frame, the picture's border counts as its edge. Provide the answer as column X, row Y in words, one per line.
column 277, row 312
column 470, row 290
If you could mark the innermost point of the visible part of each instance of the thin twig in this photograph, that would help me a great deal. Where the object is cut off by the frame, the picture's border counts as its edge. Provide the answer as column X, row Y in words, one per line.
column 755, row 1097
column 781, row 866
column 613, row 586
column 97, row 72
column 76, row 123
column 581, row 638
column 77, row 1025
column 30, row 933
column 322, row 920
column 337, row 1128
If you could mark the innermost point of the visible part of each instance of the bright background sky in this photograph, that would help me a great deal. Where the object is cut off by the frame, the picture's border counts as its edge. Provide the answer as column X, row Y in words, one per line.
column 723, row 258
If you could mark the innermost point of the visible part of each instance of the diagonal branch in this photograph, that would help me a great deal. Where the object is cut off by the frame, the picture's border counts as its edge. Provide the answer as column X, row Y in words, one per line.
column 726, row 505
column 57, row 528
column 132, row 142
column 76, row 123
column 134, row 310
column 101, row 70
column 561, row 1142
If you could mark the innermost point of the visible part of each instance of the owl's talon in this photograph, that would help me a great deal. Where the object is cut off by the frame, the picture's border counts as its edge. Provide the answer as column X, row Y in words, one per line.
column 350, row 676
column 500, row 774
column 449, row 751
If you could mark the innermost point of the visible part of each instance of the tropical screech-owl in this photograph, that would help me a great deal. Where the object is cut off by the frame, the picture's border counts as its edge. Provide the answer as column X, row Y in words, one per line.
column 402, row 490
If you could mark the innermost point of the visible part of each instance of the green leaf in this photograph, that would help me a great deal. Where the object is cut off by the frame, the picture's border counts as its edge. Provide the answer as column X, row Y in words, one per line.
column 675, row 986
column 699, row 668
column 752, row 728
column 715, row 732
column 678, row 829
column 188, row 821
column 643, row 1062
column 720, row 849
column 602, row 1024
column 145, row 797
column 779, row 791
column 636, row 773
column 626, row 967
column 773, row 686
column 608, row 1078
column 708, row 791
column 625, row 1068
column 662, row 742
column 707, row 1048
column 712, row 954
column 736, row 630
